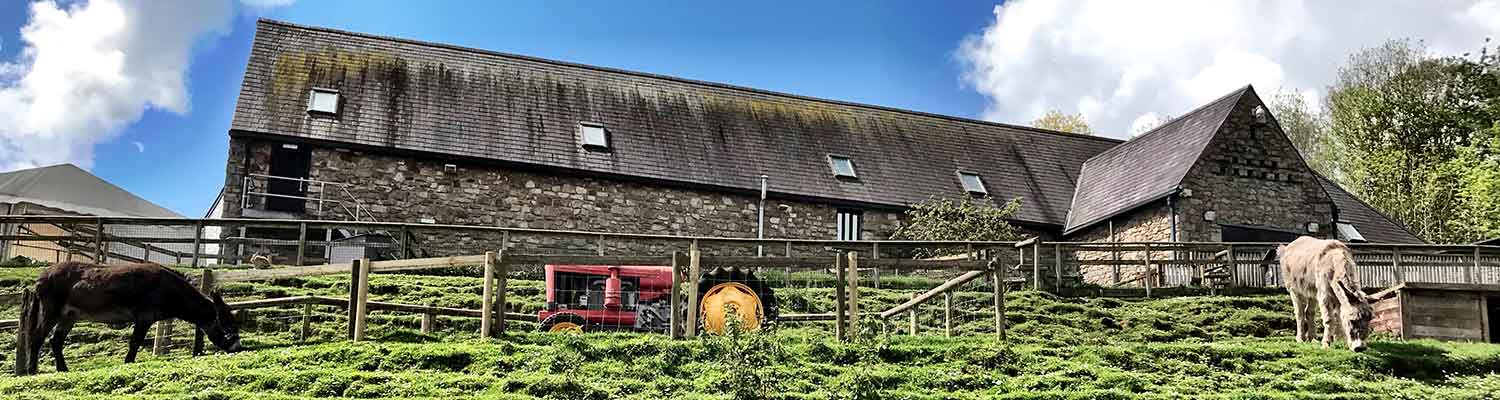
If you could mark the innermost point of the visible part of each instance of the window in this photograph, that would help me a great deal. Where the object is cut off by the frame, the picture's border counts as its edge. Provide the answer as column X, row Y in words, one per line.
column 323, row 101
column 848, row 224
column 971, row 182
column 843, row 166
column 1347, row 233
column 593, row 136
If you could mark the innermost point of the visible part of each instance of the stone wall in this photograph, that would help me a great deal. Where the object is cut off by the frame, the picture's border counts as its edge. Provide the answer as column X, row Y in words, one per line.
column 404, row 189
column 1151, row 223
column 1250, row 174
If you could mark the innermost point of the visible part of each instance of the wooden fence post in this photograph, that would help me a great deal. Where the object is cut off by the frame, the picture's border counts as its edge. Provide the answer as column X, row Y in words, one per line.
column 24, row 362
column 674, row 323
column 853, row 292
column 100, row 256
column 353, row 294
column 362, row 312
column 405, row 243
column 1114, row 256
column 1057, row 262
column 911, row 328
column 694, row 271
column 429, row 322
column 1036, row 264
column 875, row 255
column 205, row 285
column 1396, row 265
column 840, row 300
column 301, row 243
column 948, row 313
column 1234, row 267
column 502, row 272
column 163, row 337
column 1146, row 280
column 197, row 241
column 306, row 322
column 486, row 307
column 997, row 275
column 1473, row 276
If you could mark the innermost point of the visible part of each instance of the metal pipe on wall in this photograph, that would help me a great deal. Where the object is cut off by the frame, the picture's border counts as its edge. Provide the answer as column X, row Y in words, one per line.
column 760, row 222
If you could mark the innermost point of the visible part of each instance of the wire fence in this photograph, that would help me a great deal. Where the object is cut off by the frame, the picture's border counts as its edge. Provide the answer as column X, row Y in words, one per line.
column 569, row 281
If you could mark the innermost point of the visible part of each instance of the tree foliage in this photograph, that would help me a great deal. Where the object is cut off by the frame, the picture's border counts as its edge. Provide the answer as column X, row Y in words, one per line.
column 1307, row 127
column 959, row 219
column 1418, row 137
column 1059, row 121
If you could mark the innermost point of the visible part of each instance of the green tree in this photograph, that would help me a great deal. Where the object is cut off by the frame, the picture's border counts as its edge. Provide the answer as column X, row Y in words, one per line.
column 1059, row 121
column 1412, row 130
column 1308, row 130
column 958, row 219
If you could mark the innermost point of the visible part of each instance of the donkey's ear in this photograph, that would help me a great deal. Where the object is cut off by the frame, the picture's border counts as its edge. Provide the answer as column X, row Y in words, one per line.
column 218, row 298
column 1349, row 293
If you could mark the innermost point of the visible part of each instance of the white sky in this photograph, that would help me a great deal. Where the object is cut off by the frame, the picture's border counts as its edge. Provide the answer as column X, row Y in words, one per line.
column 1124, row 64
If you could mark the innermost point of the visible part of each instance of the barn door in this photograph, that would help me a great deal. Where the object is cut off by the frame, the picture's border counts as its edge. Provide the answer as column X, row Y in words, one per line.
column 288, row 161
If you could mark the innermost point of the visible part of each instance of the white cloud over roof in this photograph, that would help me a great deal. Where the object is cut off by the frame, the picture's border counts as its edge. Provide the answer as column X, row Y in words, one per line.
column 1121, row 63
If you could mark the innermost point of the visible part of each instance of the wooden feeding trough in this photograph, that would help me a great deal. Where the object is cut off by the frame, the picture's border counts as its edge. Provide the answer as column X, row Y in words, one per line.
column 1443, row 311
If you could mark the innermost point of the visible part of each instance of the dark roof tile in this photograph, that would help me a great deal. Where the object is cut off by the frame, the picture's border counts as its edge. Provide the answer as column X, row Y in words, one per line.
column 1148, row 167
column 474, row 103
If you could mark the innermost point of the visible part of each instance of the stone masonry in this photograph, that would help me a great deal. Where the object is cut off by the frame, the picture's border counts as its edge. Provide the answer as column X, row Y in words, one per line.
column 1248, row 175
column 405, row 189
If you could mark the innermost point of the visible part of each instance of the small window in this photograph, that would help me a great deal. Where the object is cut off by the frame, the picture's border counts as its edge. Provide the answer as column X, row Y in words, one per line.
column 843, row 166
column 848, row 224
column 593, row 136
column 323, row 101
column 971, row 182
column 1348, row 234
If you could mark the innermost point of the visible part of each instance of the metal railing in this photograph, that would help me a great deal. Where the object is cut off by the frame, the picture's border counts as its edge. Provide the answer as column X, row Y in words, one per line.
column 347, row 198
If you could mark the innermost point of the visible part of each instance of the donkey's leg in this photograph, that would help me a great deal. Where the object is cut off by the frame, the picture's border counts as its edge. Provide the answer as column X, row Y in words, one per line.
column 137, row 338
column 1328, row 306
column 59, row 336
column 1297, row 313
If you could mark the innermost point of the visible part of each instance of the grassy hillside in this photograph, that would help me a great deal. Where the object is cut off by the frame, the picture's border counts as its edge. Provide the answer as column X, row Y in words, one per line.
column 1199, row 347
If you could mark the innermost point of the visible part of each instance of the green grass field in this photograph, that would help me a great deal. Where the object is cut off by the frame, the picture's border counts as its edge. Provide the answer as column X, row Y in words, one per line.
column 1060, row 348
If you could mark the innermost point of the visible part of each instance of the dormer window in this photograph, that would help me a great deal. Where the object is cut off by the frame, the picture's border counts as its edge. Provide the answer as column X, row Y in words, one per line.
column 843, row 166
column 593, row 136
column 323, row 101
column 972, row 183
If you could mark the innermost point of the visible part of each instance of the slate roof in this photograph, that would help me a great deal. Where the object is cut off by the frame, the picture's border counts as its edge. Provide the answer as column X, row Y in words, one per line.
column 449, row 100
column 1147, row 168
column 67, row 187
column 1375, row 226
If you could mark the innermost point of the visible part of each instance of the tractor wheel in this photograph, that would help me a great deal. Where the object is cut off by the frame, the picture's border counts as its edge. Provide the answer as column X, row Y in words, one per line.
column 723, row 289
column 564, row 323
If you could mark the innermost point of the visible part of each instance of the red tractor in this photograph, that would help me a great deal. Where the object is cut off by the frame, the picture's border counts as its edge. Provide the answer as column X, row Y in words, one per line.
column 635, row 298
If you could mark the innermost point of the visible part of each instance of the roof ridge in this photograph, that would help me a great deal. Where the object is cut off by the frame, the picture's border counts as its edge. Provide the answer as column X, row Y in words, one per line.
column 1169, row 122
column 1236, row 95
column 687, row 80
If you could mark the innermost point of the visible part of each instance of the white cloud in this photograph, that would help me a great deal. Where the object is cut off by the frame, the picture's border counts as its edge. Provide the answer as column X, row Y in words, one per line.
column 88, row 69
column 139, row 147
column 1123, row 64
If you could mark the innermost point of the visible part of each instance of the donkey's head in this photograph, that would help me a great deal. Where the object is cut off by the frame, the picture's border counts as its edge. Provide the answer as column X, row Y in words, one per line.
column 224, row 332
column 1356, row 315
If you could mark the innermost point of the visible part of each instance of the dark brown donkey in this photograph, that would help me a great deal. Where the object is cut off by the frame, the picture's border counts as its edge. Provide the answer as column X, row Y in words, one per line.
column 138, row 294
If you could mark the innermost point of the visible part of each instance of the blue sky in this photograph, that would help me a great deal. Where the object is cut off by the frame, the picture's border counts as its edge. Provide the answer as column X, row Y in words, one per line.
column 894, row 54
column 141, row 91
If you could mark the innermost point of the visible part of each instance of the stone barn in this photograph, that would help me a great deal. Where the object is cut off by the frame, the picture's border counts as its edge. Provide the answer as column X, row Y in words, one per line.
column 340, row 125
column 1444, row 311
